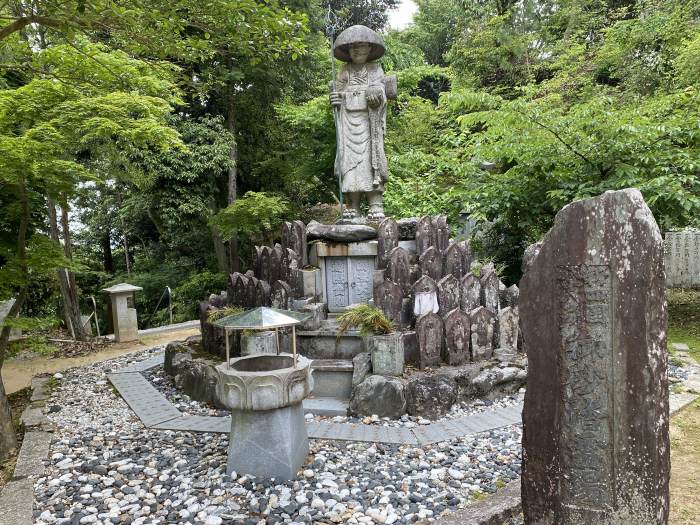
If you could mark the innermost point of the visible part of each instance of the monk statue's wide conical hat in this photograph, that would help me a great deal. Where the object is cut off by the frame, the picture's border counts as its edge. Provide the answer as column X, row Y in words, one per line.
column 355, row 35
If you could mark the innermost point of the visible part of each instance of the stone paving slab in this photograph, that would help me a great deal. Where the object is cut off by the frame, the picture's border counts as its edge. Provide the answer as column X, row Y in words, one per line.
column 678, row 402
column 15, row 505
column 142, row 366
column 35, row 449
column 220, row 425
column 150, row 406
column 326, row 406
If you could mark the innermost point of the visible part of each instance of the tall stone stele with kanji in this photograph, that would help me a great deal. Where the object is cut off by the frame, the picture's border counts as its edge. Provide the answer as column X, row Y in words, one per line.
column 359, row 102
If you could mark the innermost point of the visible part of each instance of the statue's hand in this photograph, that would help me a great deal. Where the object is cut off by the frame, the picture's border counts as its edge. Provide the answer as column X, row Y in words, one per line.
column 336, row 99
column 374, row 97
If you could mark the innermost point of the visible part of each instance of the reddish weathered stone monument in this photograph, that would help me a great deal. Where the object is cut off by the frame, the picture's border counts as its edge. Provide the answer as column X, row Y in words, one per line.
column 595, row 443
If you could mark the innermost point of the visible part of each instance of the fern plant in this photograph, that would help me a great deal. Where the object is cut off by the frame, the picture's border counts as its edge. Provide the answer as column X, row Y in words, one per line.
column 215, row 315
column 369, row 319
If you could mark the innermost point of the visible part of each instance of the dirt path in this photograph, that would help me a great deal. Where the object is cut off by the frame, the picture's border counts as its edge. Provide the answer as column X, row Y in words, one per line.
column 18, row 373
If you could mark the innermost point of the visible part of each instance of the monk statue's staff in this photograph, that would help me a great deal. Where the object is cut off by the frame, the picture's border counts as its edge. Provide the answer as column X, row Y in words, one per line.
column 331, row 26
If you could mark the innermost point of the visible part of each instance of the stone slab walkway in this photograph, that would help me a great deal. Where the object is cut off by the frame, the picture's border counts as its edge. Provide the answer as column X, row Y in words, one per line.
column 155, row 411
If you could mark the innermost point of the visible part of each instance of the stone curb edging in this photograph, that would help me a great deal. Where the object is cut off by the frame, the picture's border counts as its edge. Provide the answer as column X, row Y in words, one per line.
column 493, row 510
column 17, row 497
column 155, row 411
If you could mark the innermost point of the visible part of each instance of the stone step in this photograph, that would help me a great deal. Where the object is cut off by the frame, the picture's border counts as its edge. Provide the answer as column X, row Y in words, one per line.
column 332, row 378
column 326, row 344
column 325, row 406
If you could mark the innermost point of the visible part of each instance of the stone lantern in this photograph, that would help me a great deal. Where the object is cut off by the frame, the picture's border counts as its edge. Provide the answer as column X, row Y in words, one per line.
column 126, row 327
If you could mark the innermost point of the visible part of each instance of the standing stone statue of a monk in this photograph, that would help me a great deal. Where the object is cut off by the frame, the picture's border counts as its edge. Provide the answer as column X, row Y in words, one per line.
column 359, row 101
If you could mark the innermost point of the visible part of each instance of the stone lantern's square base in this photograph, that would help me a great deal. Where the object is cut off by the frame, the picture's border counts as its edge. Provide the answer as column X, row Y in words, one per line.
column 268, row 443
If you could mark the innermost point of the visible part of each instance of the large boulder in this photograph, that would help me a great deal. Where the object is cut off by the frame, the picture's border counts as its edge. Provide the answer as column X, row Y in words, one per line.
column 198, row 378
column 340, row 232
column 383, row 396
column 430, row 396
column 213, row 339
column 494, row 382
column 175, row 354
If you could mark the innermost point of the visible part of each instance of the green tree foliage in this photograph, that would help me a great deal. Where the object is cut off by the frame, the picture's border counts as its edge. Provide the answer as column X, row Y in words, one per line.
column 257, row 216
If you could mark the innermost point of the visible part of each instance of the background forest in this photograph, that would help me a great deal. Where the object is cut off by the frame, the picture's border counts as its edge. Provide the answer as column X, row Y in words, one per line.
column 157, row 143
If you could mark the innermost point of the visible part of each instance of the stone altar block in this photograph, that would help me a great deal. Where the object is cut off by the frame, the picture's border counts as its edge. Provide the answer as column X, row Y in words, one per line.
column 126, row 327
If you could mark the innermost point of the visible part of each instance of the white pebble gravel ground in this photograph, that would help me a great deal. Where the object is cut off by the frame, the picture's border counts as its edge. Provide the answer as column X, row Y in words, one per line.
column 105, row 467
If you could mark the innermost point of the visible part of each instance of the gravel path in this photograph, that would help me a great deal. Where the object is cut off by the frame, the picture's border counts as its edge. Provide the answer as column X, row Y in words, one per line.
column 105, row 467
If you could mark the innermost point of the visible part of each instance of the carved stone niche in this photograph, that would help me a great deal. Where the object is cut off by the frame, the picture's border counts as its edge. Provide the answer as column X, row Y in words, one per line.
column 442, row 233
column 281, row 295
column 430, row 333
column 387, row 240
column 388, row 297
column 237, row 289
column 448, row 294
column 430, row 262
column 425, row 234
column 262, row 293
column 294, row 238
column 263, row 262
column 455, row 262
column 490, row 293
column 470, row 292
column 483, row 326
column 457, row 338
column 399, row 269
column 251, row 292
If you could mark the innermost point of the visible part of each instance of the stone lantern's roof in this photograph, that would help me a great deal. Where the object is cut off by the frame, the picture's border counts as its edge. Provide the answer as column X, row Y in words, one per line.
column 261, row 318
column 122, row 288
column 355, row 35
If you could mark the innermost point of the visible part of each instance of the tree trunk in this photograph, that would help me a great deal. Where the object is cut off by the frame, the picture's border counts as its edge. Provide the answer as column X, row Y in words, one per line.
column 8, row 439
column 71, row 309
column 80, row 332
column 107, row 261
column 232, row 194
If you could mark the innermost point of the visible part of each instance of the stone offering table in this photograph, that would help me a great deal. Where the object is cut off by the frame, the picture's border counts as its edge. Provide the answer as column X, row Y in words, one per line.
column 265, row 393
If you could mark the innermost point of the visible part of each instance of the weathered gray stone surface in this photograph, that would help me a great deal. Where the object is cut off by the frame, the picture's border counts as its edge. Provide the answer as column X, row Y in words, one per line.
column 278, row 264
column 213, row 341
column 262, row 293
column 407, row 228
column 399, row 269
column 442, row 233
column 387, row 354
column 361, row 367
column 198, row 379
column 510, row 296
column 430, row 263
column 430, row 333
column 318, row 312
column 430, row 396
column 455, row 262
column 483, row 326
column 268, row 443
column 258, row 342
column 251, row 292
column 496, row 381
column 508, row 321
column 14, row 502
column 457, row 337
column 4, row 310
column 294, row 238
column 425, row 234
column 237, row 289
column 281, row 295
column 388, row 297
column 379, row 395
column 596, row 447
column 387, row 240
column 263, row 263
column 682, row 259
column 340, row 232
column 448, row 294
column 493, row 510
column 470, row 292
column 490, row 297
column 529, row 256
